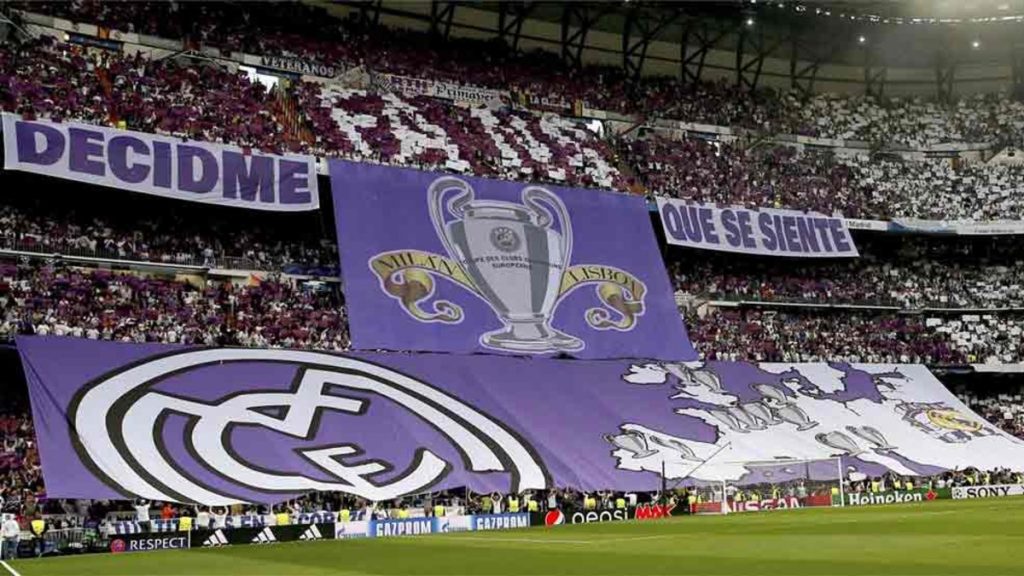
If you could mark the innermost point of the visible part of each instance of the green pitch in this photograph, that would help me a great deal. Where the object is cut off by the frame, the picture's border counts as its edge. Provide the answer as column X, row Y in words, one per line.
column 932, row 538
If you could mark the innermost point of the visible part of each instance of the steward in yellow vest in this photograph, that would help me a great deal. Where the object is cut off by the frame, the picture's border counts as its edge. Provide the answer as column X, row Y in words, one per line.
column 438, row 511
column 513, row 505
column 620, row 503
column 282, row 518
column 184, row 523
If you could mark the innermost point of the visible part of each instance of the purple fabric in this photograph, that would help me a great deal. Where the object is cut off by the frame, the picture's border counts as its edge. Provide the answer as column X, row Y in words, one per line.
column 586, row 425
column 380, row 210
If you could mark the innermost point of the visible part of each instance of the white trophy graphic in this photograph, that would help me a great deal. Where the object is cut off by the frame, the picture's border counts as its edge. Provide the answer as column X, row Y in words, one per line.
column 512, row 255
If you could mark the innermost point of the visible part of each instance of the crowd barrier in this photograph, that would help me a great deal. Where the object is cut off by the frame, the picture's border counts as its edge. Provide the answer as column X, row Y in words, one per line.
column 253, row 532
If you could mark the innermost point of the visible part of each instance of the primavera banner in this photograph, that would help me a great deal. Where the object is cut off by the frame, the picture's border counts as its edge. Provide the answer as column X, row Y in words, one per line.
column 449, row 264
column 410, row 86
column 222, row 426
column 766, row 231
column 161, row 165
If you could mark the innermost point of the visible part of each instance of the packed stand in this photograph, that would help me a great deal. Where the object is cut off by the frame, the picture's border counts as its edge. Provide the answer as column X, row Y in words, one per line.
column 49, row 79
column 719, row 172
column 50, row 299
column 46, row 78
column 853, row 186
column 938, row 189
column 907, row 122
column 21, row 479
column 1005, row 410
column 296, row 30
column 907, row 273
column 432, row 134
column 79, row 220
column 791, row 335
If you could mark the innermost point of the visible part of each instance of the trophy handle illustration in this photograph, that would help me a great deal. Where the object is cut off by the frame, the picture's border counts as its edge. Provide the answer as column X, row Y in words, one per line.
column 631, row 441
column 534, row 197
column 839, row 441
column 513, row 258
column 456, row 207
column 684, row 451
column 872, row 435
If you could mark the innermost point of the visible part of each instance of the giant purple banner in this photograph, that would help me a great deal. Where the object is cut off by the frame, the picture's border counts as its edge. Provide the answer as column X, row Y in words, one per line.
column 218, row 426
column 433, row 262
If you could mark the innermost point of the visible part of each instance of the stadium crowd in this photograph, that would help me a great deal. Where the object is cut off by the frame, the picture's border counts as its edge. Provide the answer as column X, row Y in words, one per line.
column 910, row 274
column 21, row 479
column 51, row 299
column 793, row 335
column 48, row 78
column 1005, row 410
column 73, row 221
column 298, row 30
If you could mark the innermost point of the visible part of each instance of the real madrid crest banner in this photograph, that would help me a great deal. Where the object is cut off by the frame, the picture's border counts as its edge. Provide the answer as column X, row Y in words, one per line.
column 441, row 263
column 223, row 425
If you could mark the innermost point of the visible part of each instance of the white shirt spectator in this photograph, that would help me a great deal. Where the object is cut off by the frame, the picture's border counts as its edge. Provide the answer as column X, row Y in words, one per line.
column 142, row 510
column 11, row 529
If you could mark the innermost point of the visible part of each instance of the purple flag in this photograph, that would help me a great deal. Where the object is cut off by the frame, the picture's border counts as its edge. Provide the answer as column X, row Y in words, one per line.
column 218, row 426
column 434, row 262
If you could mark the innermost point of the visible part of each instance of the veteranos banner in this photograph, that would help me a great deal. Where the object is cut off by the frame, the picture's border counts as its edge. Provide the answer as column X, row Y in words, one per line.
column 161, row 165
column 766, row 231
column 434, row 262
column 218, row 426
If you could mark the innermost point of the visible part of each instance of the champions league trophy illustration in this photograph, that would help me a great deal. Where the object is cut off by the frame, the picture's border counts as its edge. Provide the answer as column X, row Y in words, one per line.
column 784, row 408
column 872, row 435
column 839, row 441
column 689, row 376
column 514, row 258
column 631, row 441
column 684, row 451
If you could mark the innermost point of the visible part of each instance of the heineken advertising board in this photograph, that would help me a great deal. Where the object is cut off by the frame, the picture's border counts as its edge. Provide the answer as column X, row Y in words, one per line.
column 897, row 496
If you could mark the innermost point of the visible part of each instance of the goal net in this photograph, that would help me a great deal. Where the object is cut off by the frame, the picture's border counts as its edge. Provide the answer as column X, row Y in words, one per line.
column 769, row 485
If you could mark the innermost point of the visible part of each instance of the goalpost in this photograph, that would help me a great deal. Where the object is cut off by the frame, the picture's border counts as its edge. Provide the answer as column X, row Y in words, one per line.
column 767, row 485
